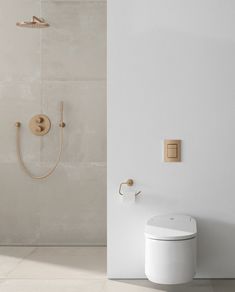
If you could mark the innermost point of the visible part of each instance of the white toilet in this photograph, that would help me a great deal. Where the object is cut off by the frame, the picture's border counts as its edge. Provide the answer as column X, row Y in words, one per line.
column 170, row 249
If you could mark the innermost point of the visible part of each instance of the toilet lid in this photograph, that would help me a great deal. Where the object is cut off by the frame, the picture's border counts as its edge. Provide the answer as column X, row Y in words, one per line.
column 171, row 227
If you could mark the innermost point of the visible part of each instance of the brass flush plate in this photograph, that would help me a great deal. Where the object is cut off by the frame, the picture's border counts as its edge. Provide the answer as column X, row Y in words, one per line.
column 172, row 150
column 40, row 125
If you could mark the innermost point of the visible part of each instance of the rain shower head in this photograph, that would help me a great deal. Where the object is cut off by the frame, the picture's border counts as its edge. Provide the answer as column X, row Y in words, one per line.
column 34, row 23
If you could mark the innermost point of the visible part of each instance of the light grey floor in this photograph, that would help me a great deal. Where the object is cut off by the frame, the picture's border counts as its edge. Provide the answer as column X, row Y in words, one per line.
column 75, row 269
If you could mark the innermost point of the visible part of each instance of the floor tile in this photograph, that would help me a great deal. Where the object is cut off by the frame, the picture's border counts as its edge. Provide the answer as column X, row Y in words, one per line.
column 147, row 286
column 52, row 286
column 10, row 257
column 75, row 269
column 131, row 286
column 63, row 263
column 223, row 285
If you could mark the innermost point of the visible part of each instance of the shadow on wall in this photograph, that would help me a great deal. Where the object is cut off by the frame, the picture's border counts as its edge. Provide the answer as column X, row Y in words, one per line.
column 210, row 256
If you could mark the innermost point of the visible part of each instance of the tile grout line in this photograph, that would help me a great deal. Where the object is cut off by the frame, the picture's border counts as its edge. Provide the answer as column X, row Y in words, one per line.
column 18, row 263
column 103, row 278
column 41, row 89
column 53, row 245
column 75, row 1
column 5, row 83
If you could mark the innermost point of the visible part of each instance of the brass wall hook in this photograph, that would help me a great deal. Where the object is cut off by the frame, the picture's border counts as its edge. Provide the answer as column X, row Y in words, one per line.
column 129, row 183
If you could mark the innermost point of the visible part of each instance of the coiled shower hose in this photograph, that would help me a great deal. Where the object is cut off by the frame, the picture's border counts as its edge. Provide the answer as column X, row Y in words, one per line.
column 19, row 155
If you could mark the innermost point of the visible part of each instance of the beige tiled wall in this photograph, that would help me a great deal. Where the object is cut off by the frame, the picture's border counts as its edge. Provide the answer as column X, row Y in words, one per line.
column 38, row 69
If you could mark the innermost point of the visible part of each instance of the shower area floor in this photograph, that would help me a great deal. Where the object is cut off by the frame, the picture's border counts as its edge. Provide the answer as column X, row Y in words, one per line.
column 75, row 269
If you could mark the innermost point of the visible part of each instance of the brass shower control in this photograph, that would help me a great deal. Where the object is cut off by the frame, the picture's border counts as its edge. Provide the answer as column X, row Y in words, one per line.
column 39, row 120
column 172, row 150
column 40, row 125
column 39, row 129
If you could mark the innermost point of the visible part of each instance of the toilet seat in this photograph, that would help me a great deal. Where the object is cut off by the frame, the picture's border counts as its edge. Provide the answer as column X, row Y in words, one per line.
column 171, row 227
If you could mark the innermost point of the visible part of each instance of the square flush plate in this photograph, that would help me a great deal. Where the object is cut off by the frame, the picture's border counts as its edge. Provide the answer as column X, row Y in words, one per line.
column 172, row 150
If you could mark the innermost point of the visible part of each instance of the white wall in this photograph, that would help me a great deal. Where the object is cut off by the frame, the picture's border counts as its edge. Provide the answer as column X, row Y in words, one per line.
column 171, row 75
column 38, row 69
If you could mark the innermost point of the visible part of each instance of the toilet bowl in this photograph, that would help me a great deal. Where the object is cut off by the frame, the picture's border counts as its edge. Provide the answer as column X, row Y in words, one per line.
column 170, row 249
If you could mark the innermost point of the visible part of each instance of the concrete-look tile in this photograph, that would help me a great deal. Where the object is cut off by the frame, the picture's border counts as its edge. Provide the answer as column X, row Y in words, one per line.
column 227, row 285
column 52, row 285
column 19, row 208
column 147, row 286
column 85, row 118
column 63, row 263
column 20, row 48
column 19, row 102
column 79, row 215
column 74, row 47
column 10, row 257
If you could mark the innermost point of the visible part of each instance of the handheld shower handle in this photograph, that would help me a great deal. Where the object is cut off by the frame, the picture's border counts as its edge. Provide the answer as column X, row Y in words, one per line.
column 62, row 124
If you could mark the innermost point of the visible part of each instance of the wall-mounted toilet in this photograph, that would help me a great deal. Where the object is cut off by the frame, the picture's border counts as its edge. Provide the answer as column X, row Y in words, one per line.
column 170, row 249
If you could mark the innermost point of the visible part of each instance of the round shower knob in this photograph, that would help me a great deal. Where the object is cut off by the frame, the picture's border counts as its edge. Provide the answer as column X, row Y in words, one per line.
column 39, row 120
column 39, row 129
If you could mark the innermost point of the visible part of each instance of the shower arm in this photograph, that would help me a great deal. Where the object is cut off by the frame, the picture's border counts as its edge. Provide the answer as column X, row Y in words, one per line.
column 35, row 22
column 18, row 148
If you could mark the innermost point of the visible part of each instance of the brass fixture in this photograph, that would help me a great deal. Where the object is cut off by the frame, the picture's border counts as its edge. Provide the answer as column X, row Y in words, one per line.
column 62, row 125
column 40, row 125
column 129, row 183
column 35, row 22
column 172, row 150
